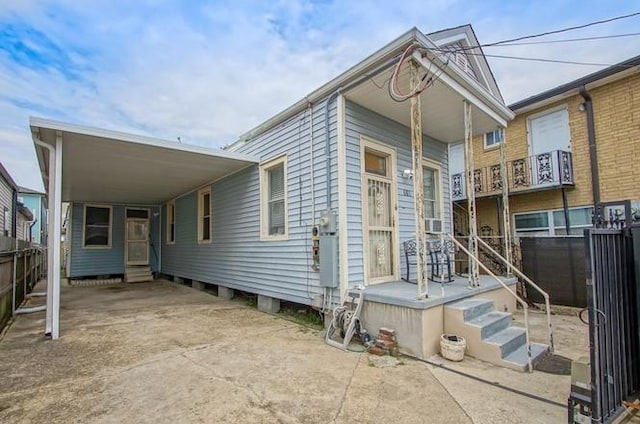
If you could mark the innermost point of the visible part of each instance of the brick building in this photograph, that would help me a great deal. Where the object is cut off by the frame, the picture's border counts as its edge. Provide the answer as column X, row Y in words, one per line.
column 567, row 149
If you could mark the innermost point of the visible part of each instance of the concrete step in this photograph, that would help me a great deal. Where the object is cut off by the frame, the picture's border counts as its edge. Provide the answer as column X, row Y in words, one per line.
column 508, row 340
column 518, row 358
column 137, row 269
column 469, row 309
column 138, row 278
column 491, row 323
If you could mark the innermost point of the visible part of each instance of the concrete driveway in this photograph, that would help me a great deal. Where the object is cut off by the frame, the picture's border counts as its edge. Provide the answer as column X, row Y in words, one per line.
column 161, row 352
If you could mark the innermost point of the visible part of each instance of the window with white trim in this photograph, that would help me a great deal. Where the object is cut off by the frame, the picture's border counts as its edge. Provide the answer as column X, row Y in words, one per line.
column 492, row 138
column 171, row 222
column 204, row 215
column 552, row 222
column 431, row 191
column 273, row 199
column 97, row 226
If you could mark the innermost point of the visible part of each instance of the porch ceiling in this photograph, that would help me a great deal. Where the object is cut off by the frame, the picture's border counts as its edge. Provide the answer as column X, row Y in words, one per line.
column 442, row 110
column 112, row 167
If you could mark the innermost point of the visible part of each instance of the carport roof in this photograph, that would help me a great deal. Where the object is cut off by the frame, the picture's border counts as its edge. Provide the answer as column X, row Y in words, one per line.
column 113, row 167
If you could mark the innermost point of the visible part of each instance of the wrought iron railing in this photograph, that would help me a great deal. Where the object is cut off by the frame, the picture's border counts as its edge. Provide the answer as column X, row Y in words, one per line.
column 539, row 171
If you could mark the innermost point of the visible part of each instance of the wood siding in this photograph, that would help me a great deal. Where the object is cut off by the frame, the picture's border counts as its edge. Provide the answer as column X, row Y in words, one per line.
column 363, row 122
column 91, row 262
column 6, row 201
column 236, row 257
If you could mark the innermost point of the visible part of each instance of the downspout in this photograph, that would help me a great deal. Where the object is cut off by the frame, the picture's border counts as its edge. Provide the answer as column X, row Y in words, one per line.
column 31, row 229
column 327, row 143
column 593, row 154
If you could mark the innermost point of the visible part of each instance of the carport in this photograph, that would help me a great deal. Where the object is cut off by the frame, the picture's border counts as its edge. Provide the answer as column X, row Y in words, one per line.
column 85, row 164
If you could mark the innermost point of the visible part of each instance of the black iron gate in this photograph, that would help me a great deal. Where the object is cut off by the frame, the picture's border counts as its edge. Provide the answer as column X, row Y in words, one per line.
column 613, row 296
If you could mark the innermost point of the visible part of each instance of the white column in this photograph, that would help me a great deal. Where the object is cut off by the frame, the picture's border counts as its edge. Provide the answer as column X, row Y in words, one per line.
column 55, row 236
column 474, row 270
column 50, row 246
column 418, row 188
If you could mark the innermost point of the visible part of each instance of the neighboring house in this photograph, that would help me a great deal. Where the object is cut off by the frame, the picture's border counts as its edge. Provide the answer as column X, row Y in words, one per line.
column 36, row 201
column 8, row 204
column 24, row 222
column 568, row 148
column 245, row 218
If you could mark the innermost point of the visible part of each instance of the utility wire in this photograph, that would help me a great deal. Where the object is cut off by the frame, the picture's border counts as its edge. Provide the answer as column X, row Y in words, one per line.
column 543, row 34
column 532, row 59
column 569, row 40
column 558, row 31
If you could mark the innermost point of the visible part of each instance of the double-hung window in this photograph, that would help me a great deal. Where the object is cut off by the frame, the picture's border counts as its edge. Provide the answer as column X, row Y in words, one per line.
column 204, row 215
column 273, row 202
column 97, row 226
column 431, row 191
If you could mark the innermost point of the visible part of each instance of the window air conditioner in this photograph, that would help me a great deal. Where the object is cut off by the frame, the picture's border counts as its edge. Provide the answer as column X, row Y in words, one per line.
column 433, row 226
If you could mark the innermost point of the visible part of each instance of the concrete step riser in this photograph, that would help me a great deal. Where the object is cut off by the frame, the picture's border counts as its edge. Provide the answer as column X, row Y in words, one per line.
column 513, row 344
column 477, row 310
column 496, row 326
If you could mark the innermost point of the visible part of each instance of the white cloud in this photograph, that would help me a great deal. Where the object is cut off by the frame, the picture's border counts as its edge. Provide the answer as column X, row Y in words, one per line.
column 208, row 73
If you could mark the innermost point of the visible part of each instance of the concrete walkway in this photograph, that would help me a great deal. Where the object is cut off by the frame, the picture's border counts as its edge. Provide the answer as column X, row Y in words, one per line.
column 164, row 353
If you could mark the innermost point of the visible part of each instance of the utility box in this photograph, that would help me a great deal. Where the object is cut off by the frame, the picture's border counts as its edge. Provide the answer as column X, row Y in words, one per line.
column 328, row 222
column 329, row 261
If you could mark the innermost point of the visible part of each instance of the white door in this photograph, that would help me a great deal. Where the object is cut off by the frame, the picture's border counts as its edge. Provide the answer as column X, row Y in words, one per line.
column 548, row 134
column 137, row 241
column 379, row 215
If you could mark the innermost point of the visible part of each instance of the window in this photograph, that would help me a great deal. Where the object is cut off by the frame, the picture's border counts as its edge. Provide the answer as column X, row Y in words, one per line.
column 492, row 139
column 273, row 203
column 204, row 215
column 431, row 183
column 171, row 222
column 552, row 222
column 375, row 163
column 97, row 226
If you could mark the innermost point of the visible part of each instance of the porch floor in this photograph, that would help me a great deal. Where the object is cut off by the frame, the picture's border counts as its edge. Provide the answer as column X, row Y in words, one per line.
column 405, row 294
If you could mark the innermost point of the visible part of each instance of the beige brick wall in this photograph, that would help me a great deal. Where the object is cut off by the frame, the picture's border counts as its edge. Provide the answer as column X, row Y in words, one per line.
column 617, row 125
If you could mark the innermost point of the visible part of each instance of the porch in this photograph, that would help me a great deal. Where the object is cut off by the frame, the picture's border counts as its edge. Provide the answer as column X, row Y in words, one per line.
column 419, row 323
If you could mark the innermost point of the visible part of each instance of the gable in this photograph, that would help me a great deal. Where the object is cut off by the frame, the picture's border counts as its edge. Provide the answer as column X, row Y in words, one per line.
column 461, row 46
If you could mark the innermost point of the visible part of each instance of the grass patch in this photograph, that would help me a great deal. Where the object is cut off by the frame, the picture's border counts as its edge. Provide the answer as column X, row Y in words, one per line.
column 301, row 314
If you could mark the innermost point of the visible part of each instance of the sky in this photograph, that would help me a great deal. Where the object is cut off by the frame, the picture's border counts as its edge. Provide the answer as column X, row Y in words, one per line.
column 209, row 71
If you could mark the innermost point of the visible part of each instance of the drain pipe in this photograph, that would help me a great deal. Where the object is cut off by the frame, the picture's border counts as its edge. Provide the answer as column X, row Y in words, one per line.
column 593, row 154
column 327, row 144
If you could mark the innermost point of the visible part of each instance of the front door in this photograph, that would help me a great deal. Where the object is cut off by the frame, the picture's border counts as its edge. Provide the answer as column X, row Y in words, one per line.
column 379, row 212
column 137, row 237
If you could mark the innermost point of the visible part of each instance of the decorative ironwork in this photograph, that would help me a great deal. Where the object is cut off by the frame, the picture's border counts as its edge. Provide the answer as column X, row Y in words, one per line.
column 477, row 180
column 496, row 178
column 567, row 175
column 519, row 173
column 456, row 189
column 544, row 170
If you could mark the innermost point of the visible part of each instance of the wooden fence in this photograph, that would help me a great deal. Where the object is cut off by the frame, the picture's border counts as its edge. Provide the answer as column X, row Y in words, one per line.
column 22, row 265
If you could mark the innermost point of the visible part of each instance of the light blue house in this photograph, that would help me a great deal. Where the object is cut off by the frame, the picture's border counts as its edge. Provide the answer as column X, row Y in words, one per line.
column 36, row 202
column 316, row 200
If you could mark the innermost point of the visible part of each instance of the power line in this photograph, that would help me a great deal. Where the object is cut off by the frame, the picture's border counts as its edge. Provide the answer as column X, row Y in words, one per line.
column 539, row 59
column 558, row 31
column 569, row 40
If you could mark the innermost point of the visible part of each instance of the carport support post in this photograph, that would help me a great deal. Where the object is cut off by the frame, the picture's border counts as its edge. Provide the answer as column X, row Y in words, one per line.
column 474, row 270
column 418, row 188
column 54, row 240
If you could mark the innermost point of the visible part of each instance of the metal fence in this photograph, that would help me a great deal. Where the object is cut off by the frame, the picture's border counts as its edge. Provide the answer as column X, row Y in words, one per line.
column 613, row 292
column 22, row 265
column 557, row 265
